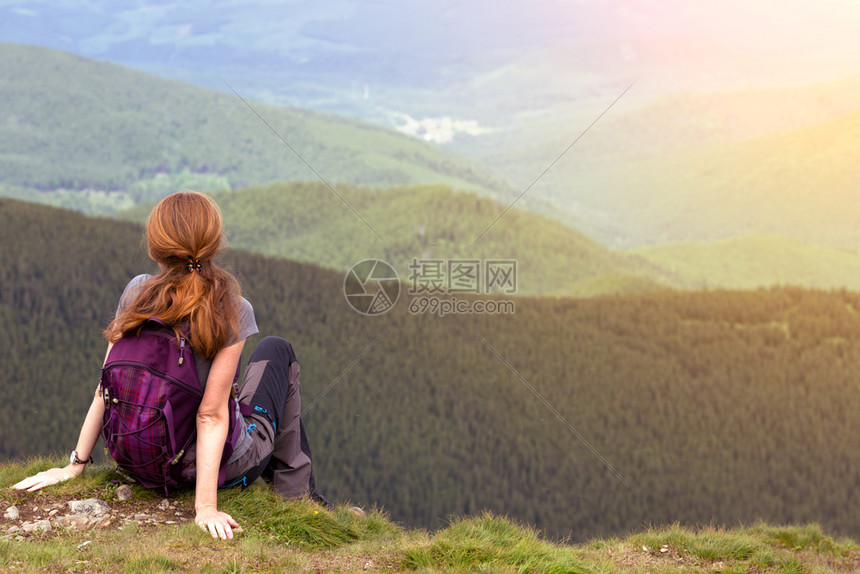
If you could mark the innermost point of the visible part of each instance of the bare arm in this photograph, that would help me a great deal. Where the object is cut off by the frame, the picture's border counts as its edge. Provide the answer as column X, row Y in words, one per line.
column 213, row 422
column 91, row 428
column 86, row 443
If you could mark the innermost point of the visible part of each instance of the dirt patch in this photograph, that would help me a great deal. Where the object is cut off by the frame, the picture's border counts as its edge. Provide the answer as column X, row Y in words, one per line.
column 38, row 510
column 653, row 559
column 649, row 558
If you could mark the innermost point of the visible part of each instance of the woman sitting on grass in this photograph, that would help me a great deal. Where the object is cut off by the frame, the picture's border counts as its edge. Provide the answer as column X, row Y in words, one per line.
column 192, row 294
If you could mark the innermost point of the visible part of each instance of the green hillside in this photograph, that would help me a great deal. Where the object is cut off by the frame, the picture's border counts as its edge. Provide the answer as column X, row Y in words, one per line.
column 693, row 166
column 669, row 123
column 715, row 407
column 73, row 129
column 795, row 183
column 753, row 261
column 305, row 221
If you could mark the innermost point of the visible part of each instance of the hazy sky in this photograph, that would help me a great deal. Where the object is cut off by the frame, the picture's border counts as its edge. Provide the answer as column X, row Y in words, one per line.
column 796, row 27
column 709, row 44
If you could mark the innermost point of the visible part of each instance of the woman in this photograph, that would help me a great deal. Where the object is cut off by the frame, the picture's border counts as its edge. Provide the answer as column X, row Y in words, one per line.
column 184, row 234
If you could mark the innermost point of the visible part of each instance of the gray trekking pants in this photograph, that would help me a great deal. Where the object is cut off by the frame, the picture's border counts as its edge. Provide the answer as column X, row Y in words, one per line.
column 280, row 447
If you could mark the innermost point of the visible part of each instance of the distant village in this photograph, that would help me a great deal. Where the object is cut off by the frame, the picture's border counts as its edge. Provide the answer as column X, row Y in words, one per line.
column 439, row 130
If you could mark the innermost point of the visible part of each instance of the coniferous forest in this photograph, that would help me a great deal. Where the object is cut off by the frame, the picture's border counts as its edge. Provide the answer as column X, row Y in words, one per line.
column 719, row 406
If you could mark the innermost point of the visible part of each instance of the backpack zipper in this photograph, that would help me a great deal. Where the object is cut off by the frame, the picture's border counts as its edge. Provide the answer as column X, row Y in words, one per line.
column 145, row 367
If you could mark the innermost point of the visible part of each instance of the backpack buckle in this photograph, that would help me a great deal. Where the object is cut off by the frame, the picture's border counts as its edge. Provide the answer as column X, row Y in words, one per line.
column 178, row 457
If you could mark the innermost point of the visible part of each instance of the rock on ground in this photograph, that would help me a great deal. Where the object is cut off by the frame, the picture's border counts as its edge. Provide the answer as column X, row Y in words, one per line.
column 78, row 521
column 89, row 507
column 38, row 526
column 123, row 492
column 12, row 513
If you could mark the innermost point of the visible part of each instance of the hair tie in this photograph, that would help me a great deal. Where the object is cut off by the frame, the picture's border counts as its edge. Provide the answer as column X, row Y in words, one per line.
column 194, row 265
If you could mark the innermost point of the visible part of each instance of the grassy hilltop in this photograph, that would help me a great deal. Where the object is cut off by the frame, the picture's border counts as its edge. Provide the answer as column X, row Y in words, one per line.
column 138, row 537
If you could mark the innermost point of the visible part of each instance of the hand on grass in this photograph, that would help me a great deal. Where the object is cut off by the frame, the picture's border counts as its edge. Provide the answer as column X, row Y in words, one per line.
column 47, row 478
column 218, row 524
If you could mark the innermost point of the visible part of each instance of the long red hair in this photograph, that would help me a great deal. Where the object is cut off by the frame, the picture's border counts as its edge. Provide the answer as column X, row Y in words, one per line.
column 183, row 227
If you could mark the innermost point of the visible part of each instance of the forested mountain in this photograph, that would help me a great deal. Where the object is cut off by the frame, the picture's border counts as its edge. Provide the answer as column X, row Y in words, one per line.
column 306, row 221
column 716, row 406
column 73, row 129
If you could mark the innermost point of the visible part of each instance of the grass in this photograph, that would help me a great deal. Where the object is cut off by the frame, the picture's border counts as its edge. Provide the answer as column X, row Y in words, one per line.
column 488, row 542
column 301, row 536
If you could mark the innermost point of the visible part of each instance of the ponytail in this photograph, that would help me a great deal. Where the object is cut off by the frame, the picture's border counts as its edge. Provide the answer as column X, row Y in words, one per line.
column 191, row 292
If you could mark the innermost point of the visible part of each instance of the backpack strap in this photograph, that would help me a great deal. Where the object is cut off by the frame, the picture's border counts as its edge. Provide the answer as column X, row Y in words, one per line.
column 244, row 409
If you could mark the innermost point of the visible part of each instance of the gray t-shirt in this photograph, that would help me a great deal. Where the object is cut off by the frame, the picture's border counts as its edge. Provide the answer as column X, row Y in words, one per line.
column 247, row 327
column 247, row 322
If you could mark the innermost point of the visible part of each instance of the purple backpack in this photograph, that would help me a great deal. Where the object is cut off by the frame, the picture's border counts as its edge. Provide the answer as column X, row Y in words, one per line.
column 151, row 393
